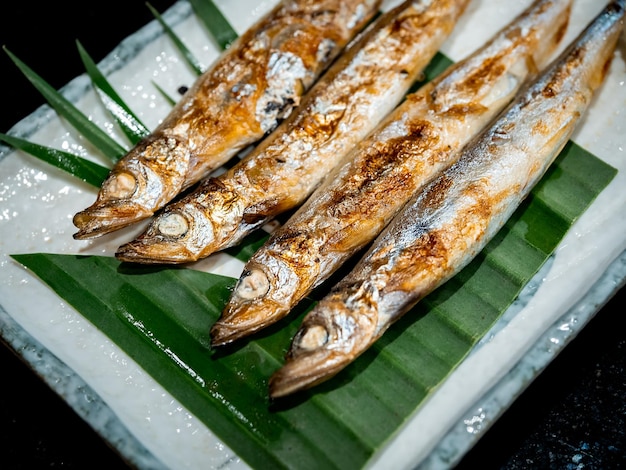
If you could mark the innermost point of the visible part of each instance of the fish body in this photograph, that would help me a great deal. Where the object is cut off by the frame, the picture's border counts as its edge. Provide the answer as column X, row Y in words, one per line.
column 364, row 85
column 445, row 226
column 257, row 82
column 416, row 141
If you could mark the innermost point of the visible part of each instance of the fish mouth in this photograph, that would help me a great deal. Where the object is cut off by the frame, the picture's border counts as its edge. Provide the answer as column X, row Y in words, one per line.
column 254, row 304
column 244, row 320
column 316, row 354
column 104, row 218
column 329, row 339
column 319, row 351
column 224, row 332
column 147, row 251
column 305, row 371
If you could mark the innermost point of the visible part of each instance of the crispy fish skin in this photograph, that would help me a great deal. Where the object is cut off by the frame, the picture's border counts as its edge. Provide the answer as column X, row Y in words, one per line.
column 254, row 84
column 363, row 86
column 417, row 140
column 443, row 228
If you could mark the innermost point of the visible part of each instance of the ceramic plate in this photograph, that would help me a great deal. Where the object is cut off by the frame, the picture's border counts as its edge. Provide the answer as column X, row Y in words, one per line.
column 141, row 419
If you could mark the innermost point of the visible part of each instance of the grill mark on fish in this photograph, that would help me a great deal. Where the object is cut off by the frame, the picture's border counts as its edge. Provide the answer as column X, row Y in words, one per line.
column 414, row 143
column 365, row 83
column 442, row 228
column 379, row 174
column 252, row 86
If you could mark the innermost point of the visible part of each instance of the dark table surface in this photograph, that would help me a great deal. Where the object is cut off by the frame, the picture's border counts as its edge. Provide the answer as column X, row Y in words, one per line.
column 572, row 416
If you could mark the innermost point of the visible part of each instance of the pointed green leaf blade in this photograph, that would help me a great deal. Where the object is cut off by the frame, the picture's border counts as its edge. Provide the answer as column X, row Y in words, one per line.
column 129, row 123
column 164, row 94
column 79, row 167
column 193, row 62
column 437, row 65
column 108, row 146
column 216, row 23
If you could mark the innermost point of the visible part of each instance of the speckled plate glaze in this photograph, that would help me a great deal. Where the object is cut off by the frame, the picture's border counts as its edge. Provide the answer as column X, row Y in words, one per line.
column 136, row 415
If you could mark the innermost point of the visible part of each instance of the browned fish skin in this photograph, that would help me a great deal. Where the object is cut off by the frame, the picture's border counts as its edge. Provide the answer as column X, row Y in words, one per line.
column 441, row 229
column 364, row 85
column 254, row 84
column 418, row 140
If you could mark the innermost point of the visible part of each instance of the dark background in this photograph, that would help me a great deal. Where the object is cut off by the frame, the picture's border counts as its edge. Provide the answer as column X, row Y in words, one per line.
column 572, row 416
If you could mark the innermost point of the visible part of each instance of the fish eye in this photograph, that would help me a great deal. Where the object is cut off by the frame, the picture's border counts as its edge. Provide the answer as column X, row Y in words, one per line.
column 314, row 337
column 254, row 283
column 121, row 185
column 172, row 225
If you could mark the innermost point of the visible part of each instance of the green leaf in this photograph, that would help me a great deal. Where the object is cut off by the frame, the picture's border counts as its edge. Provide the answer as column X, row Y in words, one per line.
column 107, row 145
column 161, row 318
column 438, row 64
column 164, row 94
column 79, row 167
column 248, row 246
column 130, row 124
column 215, row 22
column 196, row 66
column 253, row 241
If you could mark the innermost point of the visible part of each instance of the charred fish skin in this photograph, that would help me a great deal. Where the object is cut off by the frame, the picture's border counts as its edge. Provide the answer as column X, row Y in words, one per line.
column 370, row 78
column 417, row 140
column 443, row 228
column 258, row 80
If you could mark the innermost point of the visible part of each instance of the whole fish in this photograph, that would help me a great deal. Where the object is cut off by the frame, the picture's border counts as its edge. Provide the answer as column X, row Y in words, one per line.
column 444, row 227
column 416, row 141
column 364, row 85
column 252, row 86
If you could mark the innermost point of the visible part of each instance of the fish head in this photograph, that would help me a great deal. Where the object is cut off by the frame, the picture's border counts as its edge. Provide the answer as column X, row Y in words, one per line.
column 177, row 235
column 331, row 336
column 189, row 229
column 262, row 296
column 142, row 182
column 114, row 208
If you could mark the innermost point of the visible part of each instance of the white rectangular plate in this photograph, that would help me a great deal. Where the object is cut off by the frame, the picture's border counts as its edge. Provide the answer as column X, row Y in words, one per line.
column 142, row 420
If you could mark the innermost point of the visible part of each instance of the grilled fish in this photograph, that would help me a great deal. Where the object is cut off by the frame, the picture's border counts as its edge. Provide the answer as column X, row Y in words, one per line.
column 364, row 85
column 443, row 227
column 254, row 84
column 415, row 142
